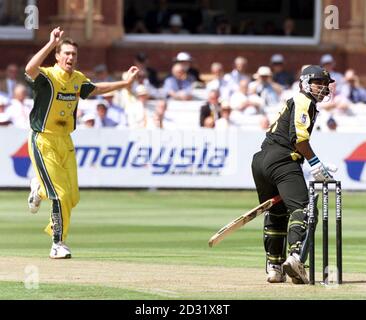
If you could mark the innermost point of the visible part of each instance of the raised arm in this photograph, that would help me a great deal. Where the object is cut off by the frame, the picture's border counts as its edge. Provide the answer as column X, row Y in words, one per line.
column 32, row 68
column 104, row 87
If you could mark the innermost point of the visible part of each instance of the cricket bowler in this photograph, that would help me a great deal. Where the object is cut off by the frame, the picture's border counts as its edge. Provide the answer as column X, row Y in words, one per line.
column 277, row 170
column 57, row 90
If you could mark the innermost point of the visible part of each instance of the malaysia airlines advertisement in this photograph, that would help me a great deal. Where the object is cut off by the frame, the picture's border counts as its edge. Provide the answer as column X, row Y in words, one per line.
column 176, row 159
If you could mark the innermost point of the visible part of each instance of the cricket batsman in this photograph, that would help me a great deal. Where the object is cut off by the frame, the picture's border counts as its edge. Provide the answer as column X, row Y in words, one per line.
column 57, row 91
column 277, row 170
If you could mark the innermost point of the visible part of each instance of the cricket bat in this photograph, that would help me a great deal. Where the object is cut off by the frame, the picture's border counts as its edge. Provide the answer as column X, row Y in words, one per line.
column 242, row 220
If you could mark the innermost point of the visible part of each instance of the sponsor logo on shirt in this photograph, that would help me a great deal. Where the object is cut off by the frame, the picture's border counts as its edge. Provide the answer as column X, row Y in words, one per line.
column 66, row 96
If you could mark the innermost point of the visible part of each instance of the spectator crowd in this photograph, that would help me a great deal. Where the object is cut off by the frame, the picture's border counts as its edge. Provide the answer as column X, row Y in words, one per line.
column 225, row 98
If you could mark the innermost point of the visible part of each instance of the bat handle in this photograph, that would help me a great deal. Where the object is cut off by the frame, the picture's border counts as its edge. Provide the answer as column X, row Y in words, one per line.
column 276, row 199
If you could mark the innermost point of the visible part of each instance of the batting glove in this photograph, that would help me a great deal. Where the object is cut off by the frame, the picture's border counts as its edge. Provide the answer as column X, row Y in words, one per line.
column 319, row 171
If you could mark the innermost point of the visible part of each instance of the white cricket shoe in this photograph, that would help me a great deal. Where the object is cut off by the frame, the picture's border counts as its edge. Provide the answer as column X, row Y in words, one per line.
column 275, row 273
column 34, row 200
column 60, row 251
column 295, row 269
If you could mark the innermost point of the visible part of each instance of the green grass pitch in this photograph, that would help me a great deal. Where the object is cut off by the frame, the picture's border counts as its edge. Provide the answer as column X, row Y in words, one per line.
column 154, row 245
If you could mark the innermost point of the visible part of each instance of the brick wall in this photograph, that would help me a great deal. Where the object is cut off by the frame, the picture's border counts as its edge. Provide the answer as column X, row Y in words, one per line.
column 120, row 58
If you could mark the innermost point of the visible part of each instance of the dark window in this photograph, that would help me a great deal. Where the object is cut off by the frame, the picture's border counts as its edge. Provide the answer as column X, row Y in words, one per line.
column 231, row 17
column 12, row 12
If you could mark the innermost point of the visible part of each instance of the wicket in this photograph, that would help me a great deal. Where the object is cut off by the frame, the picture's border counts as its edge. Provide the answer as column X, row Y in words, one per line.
column 325, row 215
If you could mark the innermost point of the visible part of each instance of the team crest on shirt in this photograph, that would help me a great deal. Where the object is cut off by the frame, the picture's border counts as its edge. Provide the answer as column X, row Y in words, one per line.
column 76, row 87
column 303, row 118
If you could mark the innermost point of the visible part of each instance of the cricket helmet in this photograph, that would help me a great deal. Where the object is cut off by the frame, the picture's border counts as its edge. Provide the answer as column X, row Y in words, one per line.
column 314, row 72
column 309, row 75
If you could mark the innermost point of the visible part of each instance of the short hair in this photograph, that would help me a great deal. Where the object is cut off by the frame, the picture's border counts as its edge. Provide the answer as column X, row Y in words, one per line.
column 66, row 41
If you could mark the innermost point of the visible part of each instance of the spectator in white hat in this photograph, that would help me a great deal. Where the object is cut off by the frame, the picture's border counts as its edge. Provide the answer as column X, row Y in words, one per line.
column 280, row 75
column 186, row 60
column 265, row 87
column 87, row 121
column 176, row 25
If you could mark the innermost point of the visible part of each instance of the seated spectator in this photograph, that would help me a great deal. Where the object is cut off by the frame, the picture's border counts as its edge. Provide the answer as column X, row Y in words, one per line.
column 335, row 103
column 102, row 120
column 222, row 25
column 264, row 122
column 209, row 122
column 280, row 75
column 265, row 87
column 3, row 104
column 332, row 124
column 130, row 16
column 158, row 120
column 19, row 108
column 157, row 19
column 211, row 108
column 179, row 85
column 87, row 121
column 5, row 120
column 7, row 85
column 125, row 97
column 351, row 88
column 238, row 73
column 326, row 123
column 224, row 121
column 142, row 62
column 248, row 27
column 4, row 96
column 114, row 112
column 244, row 102
column 185, row 59
column 270, row 28
column 328, row 63
column 137, row 113
column 219, row 82
column 296, row 85
column 176, row 25
column 289, row 28
column 4, row 116
column 101, row 74
column 139, row 26
column 142, row 79
column 205, row 13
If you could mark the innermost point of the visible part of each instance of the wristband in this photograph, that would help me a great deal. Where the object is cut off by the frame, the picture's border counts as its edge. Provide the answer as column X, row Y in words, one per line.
column 313, row 161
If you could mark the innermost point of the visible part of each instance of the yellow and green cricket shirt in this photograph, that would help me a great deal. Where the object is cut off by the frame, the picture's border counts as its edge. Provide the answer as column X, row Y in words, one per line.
column 56, row 96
